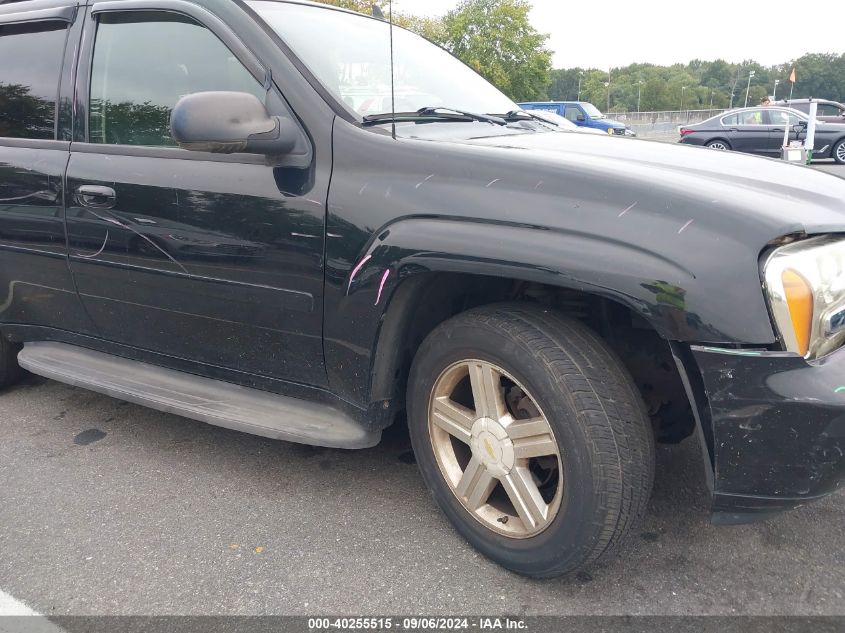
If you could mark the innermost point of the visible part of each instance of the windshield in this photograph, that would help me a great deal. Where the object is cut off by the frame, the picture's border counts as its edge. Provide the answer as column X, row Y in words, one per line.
column 592, row 111
column 555, row 119
column 350, row 55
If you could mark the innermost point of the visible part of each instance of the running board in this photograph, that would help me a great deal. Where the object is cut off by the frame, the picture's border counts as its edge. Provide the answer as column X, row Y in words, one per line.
column 213, row 401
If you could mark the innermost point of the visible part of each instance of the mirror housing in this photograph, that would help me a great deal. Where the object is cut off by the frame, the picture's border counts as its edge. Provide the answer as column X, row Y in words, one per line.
column 227, row 122
column 580, row 117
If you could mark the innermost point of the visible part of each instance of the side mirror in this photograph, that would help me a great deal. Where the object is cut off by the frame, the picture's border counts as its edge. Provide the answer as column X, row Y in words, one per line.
column 227, row 122
column 580, row 117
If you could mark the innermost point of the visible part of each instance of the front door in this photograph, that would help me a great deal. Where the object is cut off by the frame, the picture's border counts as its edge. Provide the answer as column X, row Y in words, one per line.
column 206, row 257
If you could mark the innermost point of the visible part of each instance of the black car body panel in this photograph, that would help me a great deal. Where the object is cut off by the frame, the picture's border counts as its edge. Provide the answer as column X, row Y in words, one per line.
column 306, row 281
column 778, row 426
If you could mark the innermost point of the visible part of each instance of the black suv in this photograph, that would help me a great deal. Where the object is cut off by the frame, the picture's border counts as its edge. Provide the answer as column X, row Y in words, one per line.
column 220, row 209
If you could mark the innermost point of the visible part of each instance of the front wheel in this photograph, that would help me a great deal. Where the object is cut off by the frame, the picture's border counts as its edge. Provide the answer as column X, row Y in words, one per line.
column 531, row 437
column 838, row 153
column 719, row 144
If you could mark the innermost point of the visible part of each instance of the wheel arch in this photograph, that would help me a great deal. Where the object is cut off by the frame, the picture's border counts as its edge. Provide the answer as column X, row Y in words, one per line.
column 412, row 290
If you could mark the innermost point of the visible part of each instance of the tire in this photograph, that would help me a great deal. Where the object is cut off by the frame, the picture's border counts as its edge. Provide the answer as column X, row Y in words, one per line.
column 596, row 416
column 10, row 371
column 838, row 152
column 719, row 144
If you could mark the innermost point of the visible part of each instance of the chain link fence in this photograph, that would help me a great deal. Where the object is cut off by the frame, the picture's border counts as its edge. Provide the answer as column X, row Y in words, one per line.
column 662, row 125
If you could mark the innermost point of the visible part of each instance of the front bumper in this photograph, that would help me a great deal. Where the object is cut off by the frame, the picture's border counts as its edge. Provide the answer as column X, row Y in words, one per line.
column 775, row 427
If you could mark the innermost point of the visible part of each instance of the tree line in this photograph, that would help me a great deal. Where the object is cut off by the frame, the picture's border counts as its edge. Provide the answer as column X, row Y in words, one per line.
column 496, row 38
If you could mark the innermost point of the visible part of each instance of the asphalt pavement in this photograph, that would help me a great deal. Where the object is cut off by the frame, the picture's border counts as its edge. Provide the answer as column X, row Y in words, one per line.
column 110, row 508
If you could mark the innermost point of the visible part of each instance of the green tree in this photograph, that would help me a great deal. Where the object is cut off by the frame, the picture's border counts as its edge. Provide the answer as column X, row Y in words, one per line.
column 495, row 37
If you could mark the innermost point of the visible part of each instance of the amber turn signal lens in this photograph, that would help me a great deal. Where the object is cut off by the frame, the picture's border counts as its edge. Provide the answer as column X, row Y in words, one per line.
column 799, row 298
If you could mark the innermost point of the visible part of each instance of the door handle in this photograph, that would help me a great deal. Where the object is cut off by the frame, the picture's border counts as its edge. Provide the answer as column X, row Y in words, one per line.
column 96, row 196
column 777, row 129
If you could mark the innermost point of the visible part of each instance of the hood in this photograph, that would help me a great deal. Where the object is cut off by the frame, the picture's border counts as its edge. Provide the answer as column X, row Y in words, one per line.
column 790, row 198
column 610, row 123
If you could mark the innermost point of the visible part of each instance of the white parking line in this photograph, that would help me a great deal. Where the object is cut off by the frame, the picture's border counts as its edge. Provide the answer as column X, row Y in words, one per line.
column 9, row 605
column 34, row 623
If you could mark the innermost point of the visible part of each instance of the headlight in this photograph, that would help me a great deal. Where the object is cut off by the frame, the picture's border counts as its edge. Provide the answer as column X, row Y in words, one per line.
column 805, row 284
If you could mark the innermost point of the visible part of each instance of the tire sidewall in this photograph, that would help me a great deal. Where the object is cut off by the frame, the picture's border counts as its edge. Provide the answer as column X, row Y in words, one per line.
column 570, row 538
column 834, row 153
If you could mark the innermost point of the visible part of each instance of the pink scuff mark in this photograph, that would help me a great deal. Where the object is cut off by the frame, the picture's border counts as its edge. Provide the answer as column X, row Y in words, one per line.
column 684, row 226
column 381, row 285
column 624, row 211
column 356, row 270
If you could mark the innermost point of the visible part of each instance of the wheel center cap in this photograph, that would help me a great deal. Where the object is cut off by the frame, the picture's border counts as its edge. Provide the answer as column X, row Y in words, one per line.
column 492, row 447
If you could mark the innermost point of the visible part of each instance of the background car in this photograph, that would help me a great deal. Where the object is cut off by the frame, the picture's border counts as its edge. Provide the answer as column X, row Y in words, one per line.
column 828, row 111
column 760, row 131
column 563, row 123
column 582, row 114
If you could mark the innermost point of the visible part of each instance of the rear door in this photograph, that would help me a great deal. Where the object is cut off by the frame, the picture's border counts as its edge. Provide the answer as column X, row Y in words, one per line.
column 35, row 285
column 207, row 257
column 748, row 131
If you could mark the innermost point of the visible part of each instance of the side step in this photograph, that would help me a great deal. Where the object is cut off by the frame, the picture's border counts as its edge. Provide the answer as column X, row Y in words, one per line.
column 213, row 401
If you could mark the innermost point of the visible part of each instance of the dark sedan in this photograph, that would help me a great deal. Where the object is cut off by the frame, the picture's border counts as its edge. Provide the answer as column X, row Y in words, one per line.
column 761, row 130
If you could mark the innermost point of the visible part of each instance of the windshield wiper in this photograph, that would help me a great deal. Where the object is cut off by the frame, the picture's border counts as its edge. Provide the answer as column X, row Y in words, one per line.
column 435, row 113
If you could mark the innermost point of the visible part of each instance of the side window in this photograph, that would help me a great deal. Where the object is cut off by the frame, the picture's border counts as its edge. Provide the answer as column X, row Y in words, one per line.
column 782, row 117
column 732, row 119
column 827, row 109
column 144, row 62
column 572, row 113
column 30, row 64
column 750, row 117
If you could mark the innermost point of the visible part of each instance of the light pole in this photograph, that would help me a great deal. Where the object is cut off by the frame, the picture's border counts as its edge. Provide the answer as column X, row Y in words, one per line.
column 775, row 91
column 580, row 75
column 711, row 98
column 748, row 88
column 608, row 90
column 639, row 93
column 683, row 90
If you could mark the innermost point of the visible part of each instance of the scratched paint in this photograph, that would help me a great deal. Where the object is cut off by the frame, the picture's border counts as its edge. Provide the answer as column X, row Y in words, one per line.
column 423, row 181
column 626, row 209
column 681, row 230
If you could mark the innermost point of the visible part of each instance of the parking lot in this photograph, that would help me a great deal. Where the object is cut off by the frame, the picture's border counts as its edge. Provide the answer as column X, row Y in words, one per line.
column 109, row 508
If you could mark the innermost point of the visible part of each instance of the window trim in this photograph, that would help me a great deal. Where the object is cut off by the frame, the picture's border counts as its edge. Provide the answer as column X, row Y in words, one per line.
column 38, row 18
column 65, row 13
column 82, row 92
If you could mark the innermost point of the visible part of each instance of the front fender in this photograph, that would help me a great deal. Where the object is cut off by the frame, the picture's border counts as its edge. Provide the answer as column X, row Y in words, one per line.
column 402, row 209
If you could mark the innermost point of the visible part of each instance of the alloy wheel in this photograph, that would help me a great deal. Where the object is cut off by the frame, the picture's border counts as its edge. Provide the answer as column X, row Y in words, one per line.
column 495, row 448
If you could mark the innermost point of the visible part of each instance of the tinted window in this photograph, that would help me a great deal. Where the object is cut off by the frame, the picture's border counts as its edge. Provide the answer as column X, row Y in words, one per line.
column 780, row 117
column 827, row 109
column 750, row 117
column 143, row 63
column 730, row 120
column 30, row 64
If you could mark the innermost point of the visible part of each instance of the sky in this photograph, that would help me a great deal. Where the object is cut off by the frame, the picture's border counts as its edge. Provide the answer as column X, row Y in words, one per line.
column 614, row 33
